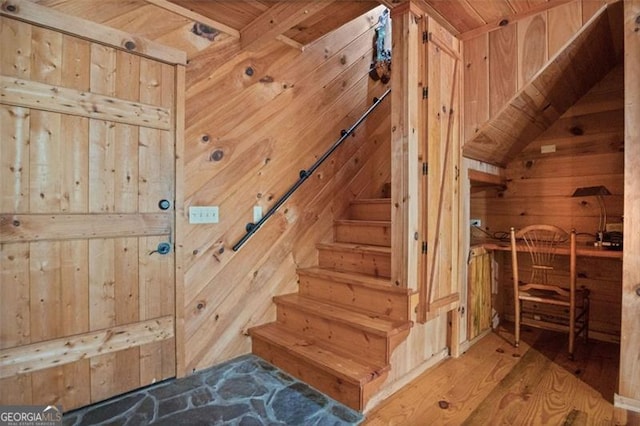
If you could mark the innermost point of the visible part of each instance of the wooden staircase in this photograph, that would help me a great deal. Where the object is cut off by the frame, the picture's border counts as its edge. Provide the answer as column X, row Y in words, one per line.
column 338, row 332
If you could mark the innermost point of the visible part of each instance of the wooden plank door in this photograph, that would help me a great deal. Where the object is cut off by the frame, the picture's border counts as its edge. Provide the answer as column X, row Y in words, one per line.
column 86, row 155
column 439, row 186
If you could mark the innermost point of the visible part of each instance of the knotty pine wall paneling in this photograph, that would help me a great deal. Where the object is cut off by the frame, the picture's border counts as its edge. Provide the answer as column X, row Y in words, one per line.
column 475, row 84
column 532, row 46
column 253, row 121
column 252, row 124
column 500, row 62
column 563, row 22
column 539, row 186
column 502, row 67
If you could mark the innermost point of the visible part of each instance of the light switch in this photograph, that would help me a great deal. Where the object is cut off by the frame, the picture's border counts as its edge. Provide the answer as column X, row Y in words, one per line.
column 203, row 214
column 257, row 214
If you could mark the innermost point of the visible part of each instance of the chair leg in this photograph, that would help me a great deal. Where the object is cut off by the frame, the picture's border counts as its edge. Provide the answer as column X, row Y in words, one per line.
column 572, row 332
column 517, row 317
column 587, row 305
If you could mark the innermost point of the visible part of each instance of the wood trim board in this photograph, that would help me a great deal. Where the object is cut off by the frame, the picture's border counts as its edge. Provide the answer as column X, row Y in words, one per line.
column 53, row 353
column 47, row 97
column 28, row 11
column 16, row 228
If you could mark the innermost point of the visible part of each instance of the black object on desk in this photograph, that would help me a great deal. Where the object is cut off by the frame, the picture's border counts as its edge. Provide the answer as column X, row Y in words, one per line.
column 612, row 240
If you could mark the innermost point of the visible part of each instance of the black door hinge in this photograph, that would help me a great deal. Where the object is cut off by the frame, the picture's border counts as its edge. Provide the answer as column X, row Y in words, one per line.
column 425, row 93
column 425, row 169
column 424, row 247
column 425, row 36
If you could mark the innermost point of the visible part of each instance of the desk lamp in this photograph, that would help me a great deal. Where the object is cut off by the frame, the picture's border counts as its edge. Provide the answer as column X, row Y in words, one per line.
column 598, row 192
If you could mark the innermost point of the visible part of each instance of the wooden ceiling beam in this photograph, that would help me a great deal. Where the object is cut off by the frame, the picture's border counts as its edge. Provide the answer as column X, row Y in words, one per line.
column 390, row 4
column 198, row 17
column 397, row 6
column 484, row 179
column 437, row 16
column 276, row 20
column 217, row 25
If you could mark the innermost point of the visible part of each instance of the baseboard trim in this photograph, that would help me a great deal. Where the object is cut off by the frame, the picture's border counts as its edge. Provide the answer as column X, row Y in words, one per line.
column 386, row 392
column 630, row 404
column 464, row 346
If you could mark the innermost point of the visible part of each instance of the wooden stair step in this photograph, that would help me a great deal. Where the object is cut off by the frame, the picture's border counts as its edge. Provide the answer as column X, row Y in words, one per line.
column 370, row 232
column 356, row 248
column 370, row 209
column 378, row 283
column 362, row 321
column 356, row 291
column 331, row 361
column 359, row 258
column 349, row 381
column 354, row 332
column 351, row 331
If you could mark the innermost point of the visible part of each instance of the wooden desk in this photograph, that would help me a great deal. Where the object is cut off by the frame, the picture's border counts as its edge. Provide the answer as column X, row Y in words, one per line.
column 582, row 250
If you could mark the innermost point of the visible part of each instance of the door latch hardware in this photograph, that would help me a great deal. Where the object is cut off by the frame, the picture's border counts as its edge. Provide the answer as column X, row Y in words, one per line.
column 163, row 248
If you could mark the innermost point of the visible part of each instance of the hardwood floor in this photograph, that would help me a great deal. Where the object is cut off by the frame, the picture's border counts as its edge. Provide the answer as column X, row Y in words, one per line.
column 497, row 384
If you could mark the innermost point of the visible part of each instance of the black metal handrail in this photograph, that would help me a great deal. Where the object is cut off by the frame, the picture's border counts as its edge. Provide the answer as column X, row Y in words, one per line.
column 304, row 174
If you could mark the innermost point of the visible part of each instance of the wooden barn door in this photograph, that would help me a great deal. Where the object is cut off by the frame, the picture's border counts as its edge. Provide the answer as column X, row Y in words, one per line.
column 439, row 186
column 87, row 287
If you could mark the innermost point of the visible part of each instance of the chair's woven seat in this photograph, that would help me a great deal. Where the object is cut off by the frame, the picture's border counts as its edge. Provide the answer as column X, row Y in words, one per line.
column 551, row 297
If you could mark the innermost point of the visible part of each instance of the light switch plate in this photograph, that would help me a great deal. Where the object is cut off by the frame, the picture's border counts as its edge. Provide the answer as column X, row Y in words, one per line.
column 257, row 214
column 547, row 149
column 203, row 214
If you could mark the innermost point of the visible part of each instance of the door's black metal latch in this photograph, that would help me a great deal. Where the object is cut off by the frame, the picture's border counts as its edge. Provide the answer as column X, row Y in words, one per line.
column 163, row 248
column 164, row 204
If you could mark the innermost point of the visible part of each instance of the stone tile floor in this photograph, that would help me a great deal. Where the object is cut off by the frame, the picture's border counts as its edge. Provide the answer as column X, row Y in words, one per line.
column 245, row 391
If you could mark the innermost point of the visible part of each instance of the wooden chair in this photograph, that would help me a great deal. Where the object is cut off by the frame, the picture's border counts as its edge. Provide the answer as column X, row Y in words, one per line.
column 542, row 242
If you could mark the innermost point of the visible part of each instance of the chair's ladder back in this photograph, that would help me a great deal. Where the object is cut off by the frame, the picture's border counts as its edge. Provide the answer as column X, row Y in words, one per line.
column 541, row 245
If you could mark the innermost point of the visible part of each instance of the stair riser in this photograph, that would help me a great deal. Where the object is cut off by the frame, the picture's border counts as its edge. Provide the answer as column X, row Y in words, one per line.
column 385, row 304
column 396, row 339
column 349, row 394
column 377, row 265
column 375, row 235
column 370, row 211
column 335, row 334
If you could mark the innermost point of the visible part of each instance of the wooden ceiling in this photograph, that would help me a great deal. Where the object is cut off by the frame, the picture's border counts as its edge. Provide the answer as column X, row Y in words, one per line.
column 301, row 21
column 227, row 25
column 468, row 18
